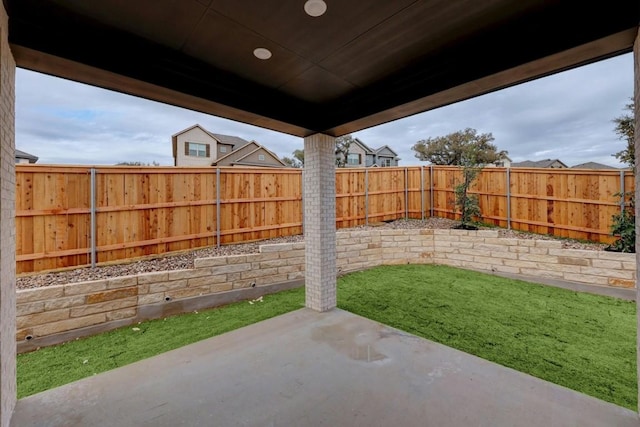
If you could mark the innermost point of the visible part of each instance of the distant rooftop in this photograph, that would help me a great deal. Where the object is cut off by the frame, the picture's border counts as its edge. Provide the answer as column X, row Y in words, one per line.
column 21, row 155
column 592, row 165
column 546, row 163
column 236, row 141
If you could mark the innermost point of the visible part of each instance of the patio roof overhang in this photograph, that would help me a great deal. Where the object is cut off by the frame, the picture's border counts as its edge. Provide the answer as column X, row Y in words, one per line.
column 361, row 64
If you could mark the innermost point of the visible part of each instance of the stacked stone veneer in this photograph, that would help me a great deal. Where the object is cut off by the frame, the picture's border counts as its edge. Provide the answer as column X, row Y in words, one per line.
column 484, row 250
column 55, row 309
column 119, row 301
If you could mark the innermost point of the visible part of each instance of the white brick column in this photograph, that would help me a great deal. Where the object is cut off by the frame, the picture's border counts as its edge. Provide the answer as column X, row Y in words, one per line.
column 320, row 222
column 636, row 97
column 7, row 227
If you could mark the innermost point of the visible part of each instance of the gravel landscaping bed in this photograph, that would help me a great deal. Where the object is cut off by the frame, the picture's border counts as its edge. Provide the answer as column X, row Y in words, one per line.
column 185, row 260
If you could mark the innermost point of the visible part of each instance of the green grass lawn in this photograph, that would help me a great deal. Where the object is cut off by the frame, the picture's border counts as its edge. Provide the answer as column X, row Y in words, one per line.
column 54, row 366
column 581, row 341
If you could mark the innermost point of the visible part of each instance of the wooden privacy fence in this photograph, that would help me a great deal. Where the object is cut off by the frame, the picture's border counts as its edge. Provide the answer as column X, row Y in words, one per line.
column 573, row 203
column 70, row 216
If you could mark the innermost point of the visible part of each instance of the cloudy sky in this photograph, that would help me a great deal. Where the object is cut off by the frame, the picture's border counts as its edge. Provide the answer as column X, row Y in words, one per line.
column 566, row 116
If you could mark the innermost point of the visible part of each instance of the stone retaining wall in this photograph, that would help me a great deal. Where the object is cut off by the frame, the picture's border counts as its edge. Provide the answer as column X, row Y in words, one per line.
column 47, row 315
column 484, row 250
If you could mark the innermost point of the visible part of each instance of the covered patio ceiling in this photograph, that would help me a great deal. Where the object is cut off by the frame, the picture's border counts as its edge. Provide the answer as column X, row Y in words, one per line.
column 361, row 64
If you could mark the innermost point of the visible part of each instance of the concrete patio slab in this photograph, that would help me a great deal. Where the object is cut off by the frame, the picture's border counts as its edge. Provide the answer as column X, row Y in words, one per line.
column 310, row 369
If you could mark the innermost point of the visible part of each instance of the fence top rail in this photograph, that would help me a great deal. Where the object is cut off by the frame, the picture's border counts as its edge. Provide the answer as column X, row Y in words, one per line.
column 82, row 169
column 378, row 169
column 187, row 169
column 541, row 170
column 23, row 167
column 252, row 169
column 571, row 171
column 109, row 168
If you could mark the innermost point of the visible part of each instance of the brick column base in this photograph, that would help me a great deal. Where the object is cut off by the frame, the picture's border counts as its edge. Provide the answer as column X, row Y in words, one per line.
column 320, row 222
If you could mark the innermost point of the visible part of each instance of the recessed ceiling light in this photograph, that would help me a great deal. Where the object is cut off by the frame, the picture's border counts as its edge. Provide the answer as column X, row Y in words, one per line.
column 315, row 8
column 262, row 53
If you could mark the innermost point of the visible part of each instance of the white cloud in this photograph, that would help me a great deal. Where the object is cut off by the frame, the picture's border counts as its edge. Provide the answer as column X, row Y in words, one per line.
column 567, row 116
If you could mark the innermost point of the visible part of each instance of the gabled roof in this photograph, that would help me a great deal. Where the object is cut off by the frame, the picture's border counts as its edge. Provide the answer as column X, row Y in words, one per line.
column 260, row 148
column 23, row 155
column 524, row 164
column 369, row 150
column 235, row 141
column 592, row 165
column 239, row 159
column 364, row 146
column 174, row 137
column 388, row 148
column 234, row 153
column 537, row 163
column 188, row 129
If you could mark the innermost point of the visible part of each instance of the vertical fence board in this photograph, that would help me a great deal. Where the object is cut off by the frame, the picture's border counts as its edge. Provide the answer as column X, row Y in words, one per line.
column 414, row 202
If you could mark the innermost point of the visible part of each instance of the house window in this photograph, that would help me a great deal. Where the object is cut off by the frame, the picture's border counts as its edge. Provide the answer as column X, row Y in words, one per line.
column 353, row 159
column 385, row 163
column 197, row 150
column 223, row 149
column 261, row 157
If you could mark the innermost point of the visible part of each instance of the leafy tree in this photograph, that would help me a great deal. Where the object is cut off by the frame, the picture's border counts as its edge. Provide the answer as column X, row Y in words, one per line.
column 625, row 129
column 154, row 163
column 291, row 162
column 342, row 149
column 623, row 224
column 299, row 156
column 468, row 150
column 459, row 148
column 296, row 161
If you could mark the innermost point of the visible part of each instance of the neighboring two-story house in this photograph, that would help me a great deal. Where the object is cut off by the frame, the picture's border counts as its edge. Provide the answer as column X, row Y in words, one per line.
column 360, row 155
column 196, row 146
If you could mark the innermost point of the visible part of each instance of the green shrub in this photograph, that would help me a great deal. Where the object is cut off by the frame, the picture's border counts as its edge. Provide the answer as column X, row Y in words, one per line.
column 467, row 203
column 623, row 226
